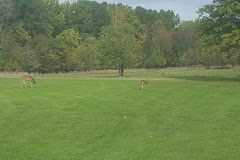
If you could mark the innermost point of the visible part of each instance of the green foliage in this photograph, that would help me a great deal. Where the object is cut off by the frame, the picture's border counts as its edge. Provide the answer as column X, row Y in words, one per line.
column 91, row 59
column 7, row 14
column 33, row 13
column 46, row 36
column 158, row 37
column 56, row 17
column 231, row 40
column 148, row 17
column 116, row 46
column 160, row 31
column 69, row 37
column 29, row 60
column 186, row 42
column 121, row 14
column 20, row 34
column 86, row 16
column 220, row 26
column 156, row 60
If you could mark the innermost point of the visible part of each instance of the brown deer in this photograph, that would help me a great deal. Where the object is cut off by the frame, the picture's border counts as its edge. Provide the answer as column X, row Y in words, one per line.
column 143, row 83
column 28, row 78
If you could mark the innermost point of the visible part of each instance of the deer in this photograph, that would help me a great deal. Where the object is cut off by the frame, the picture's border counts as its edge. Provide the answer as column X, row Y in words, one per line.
column 143, row 83
column 28, row 78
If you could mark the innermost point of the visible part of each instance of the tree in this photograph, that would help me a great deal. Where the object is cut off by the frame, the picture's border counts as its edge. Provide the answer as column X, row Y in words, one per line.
column 219, row 18
column 156, row 60
column 161, row 40
column 148, row 17
column 7, row 14
column 116, row 46
column 91, row 55
column 56, row 17
column 69, row 37
column 86, row 16
column 48, row 54
column 20, row 34
column 220, row 26
column 158, row 33
column 29, row 60
column 121, row 14
column 186, row 43
column 34, row 15
column 9, row 52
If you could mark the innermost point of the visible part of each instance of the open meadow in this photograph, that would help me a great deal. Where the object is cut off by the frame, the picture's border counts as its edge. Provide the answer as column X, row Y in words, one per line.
column 189, row 114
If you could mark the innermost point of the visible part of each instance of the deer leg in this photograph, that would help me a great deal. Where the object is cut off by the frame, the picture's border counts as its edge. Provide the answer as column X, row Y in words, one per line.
column 31, row 84
column 21, row 84
column 25, row 84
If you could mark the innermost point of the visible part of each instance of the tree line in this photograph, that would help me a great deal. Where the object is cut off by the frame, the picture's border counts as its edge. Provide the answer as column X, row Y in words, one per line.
column 46, row 36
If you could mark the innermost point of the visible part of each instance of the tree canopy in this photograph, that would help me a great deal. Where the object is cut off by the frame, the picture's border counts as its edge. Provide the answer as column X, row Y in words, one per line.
column 47, row 36
column 220, row 30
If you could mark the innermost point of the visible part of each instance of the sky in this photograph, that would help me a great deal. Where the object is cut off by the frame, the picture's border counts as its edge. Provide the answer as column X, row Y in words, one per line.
column 185, row 8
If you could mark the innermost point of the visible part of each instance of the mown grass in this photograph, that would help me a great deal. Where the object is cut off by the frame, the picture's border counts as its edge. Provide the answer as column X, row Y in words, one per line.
column 79, row 117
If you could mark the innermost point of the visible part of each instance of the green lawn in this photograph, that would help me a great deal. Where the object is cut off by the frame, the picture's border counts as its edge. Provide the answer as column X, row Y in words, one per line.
column 181, row 118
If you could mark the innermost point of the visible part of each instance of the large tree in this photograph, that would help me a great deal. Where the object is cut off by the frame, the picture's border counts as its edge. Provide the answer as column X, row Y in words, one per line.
column 116, row 46
column 220, row 26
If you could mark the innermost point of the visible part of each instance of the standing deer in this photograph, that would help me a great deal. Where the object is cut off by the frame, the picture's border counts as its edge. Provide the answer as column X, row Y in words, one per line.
column 143, row 83
column 28, row 78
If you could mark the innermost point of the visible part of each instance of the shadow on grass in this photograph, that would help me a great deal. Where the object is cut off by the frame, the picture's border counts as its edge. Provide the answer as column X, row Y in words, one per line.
column 210, row 78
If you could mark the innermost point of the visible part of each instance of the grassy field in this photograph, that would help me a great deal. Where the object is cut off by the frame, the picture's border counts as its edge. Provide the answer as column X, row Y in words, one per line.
column 183, row 115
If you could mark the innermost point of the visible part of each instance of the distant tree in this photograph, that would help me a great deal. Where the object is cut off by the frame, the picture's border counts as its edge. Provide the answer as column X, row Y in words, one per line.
column 158, row 38
column 156, row 60
column 116, row 46
column 48, row 53
column 69, row 37
column 210, row 56
column 29, row 60
column 9, row 52
column 7, row 18
column 148, row 17
column 7, row 14
column 190, row 57
column 186, row 43
column 34, row 15
column 158, row 32
column 20, row 34
column 56, row 17
column 121, row 14
column 234, row 57
column 91, row 56
column 86, row 16
column 169, row 19
column 84, row 57
column 46, row 36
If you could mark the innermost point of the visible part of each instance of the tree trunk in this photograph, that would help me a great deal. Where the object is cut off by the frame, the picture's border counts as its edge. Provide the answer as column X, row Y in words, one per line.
column 121, row 70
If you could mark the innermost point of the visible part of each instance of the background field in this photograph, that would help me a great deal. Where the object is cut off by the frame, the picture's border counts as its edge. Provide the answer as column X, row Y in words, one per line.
column 183, row 114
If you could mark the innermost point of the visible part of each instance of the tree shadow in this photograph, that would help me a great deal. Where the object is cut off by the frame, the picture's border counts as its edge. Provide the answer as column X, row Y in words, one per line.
column 209, row 78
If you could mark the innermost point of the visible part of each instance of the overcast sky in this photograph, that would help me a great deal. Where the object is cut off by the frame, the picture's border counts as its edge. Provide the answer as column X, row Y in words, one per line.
column 185, row 8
